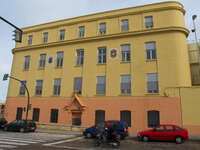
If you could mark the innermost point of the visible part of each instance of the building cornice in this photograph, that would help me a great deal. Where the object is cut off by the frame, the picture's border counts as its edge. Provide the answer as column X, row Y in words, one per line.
column 103, row 15
column 102, row 37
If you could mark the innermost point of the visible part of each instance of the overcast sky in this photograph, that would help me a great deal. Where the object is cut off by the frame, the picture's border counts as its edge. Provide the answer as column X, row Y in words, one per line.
column 25, row 13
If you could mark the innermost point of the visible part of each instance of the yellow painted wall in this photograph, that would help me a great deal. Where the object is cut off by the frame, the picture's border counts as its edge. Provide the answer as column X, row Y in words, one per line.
column 190, row 99
column 169, row 33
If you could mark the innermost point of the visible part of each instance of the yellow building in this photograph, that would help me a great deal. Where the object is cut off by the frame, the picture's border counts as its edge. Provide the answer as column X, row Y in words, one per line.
column 115, row 65
column 194, row 55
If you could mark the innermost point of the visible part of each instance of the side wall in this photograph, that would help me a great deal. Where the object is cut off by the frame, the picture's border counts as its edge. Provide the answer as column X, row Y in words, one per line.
column 190, row 99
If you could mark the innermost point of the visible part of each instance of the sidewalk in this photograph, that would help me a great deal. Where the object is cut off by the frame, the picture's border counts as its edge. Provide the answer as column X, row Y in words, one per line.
column 77, row 133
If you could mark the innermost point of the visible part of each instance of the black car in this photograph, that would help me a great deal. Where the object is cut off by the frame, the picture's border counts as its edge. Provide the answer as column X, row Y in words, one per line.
column 20, row 125
column 3, row 121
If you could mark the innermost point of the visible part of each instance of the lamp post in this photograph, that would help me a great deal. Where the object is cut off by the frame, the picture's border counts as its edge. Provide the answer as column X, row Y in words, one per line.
column 195, row 33
column 5, row 77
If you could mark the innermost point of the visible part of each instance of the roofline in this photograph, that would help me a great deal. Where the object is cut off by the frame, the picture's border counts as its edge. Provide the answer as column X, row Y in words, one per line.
column 24, row 28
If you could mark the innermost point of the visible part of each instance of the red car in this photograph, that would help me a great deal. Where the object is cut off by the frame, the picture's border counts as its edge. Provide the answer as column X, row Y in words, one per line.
column 164, row 133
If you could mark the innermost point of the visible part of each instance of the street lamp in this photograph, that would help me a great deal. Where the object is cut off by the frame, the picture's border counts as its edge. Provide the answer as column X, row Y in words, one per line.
column 5, row 77
column 195, row 33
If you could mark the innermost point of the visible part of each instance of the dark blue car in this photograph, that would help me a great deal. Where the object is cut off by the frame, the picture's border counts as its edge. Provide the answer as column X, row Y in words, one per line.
column 121, row 127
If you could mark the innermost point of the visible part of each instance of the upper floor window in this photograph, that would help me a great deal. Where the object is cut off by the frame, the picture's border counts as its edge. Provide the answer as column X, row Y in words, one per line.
column 57, row 84
column 125, row 25
column 149, row 21
column 151, row 50
column 59, row 62
column 27, row 62
column 152, row 83
column 78, row 85
column 79, row 57
column 101, row 55
column 30, row 38
column 102, row 28
column 101, row 85
column 62, row 34
column 125, row 84
column 45, row 37
column 38, row 89
column 22, row 88
column 125, row 53
column 81, row 31
column 42, row 61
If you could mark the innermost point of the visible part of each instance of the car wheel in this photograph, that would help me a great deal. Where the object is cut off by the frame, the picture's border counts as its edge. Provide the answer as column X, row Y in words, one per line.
column 88, row 135
column 178, row 140
column 21, row 130
column 5, row 128
column 145, row 138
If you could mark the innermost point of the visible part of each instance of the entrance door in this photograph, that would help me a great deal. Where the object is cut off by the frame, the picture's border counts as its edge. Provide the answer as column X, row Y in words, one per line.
column 19, row 113
column 76, row 118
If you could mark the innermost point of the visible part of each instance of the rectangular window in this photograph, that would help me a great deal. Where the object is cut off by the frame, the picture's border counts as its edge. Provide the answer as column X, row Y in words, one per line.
column 101, row 55
column 151, row 50
column 59, row 62
column 79, row 57
column 101, row 85
column 125, row 84
column 153, row 118
column 102, row 28
column 149, row 22
column 81, row 31
column 22, row 88
column 19, row 113
column 38, row 88
column 152, row 83
column 62, row 34
column 45, row 37
column 57, row 84
column 125, row 25
column 54, row 116
column 125, row 116
column 30, row 38
column 125, row 53
column 36, row 114
column 27, row 62
column 42, row 61
column 78, row 85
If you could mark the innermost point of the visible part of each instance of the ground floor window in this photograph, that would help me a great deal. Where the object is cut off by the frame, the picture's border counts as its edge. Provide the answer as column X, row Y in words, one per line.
column 99, row 116
column 36, row 114
column 125, row 116
column 153, row 118
column 76, row 118
column 54, row 116
column 19, row 113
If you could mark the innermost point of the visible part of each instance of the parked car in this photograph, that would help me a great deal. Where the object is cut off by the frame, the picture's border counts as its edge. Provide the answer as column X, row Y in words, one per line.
column 164, row 133
column 20, row 125
column 121, row 127
column 3, row 121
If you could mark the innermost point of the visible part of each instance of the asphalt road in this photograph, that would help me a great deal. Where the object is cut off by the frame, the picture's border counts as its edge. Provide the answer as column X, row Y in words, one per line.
column 58, row 141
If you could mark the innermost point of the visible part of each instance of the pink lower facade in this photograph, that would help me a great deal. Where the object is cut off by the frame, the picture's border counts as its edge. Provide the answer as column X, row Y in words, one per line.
column 84, row 108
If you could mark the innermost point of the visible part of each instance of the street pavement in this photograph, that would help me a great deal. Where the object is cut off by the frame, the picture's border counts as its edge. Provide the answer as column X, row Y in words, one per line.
column 68, row 140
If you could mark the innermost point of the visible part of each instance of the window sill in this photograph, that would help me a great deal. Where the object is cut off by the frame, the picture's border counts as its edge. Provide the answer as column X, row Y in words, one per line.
column 150, row 60
column 152, row 94
column 38, row 96
column 99, row 95
column 58, row 67
column 78, row 65
column 124, row 62
column 41, row 68
column 25, row 69
column 128, row 94
column 101, row 63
